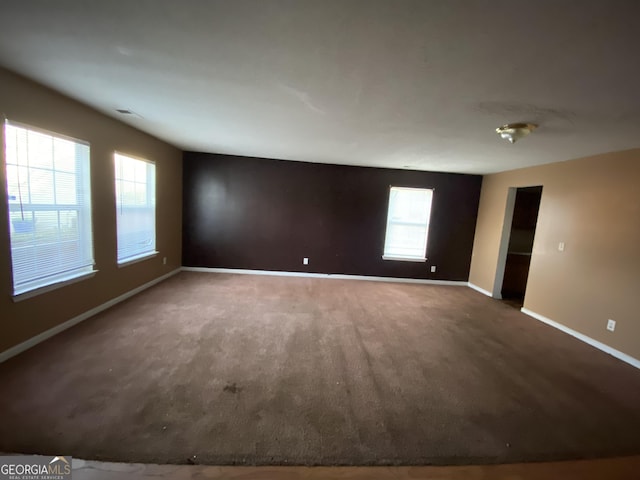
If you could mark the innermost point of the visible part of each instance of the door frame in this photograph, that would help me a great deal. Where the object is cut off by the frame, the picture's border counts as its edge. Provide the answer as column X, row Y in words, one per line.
column 504, row 242
column 506, row 235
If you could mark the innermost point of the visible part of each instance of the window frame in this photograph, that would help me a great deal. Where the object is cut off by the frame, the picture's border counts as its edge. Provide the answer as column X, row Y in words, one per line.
column 82, row 174
column 390, row 222
column 151, row 199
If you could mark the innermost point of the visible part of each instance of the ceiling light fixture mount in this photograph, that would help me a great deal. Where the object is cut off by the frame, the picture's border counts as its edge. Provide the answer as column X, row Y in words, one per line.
column 513, row 132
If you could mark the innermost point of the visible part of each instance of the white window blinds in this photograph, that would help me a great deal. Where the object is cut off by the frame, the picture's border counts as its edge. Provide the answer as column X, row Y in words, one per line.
column 49, row 198
column 407, row 223
column 136, row 208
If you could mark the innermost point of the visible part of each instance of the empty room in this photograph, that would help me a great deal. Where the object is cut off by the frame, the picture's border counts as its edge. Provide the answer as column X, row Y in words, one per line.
column 320, row 239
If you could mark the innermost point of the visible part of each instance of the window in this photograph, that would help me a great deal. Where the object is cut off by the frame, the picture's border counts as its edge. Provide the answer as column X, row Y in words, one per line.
column 407, row 224
column 49, row 199
column 136, row 208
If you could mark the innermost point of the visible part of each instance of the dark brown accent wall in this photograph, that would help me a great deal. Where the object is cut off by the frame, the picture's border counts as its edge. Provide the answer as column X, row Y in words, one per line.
column 253, row 213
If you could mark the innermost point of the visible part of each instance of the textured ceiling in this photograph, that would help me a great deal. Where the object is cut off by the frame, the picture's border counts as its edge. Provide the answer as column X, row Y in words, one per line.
column 401, row 84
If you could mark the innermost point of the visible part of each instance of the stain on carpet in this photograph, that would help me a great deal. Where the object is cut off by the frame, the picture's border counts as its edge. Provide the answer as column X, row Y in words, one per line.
column 232, row 388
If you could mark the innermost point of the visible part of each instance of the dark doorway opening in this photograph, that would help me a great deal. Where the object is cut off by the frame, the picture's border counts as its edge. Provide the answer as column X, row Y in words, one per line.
column 523, row 229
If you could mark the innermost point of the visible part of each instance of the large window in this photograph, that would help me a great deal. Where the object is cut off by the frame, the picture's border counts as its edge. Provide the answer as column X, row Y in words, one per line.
column 49, row 198
column 136, row 208
column 407, row 224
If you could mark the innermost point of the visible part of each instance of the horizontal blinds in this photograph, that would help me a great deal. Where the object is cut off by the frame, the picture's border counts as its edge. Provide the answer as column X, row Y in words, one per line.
column 49, row 198
column 136, row 207
column 408, row 222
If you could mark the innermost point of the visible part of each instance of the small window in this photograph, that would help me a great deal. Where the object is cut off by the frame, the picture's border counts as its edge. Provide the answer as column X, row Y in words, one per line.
column 136, row 208
column 407, row 224
column 49, row 199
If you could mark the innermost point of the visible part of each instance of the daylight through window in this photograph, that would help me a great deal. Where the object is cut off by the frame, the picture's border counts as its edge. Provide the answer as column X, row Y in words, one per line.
column 136, row 208
column 49, row 198
column 407, row 224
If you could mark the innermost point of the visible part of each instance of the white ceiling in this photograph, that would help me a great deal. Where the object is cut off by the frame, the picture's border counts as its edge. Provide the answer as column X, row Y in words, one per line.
column 397, row 83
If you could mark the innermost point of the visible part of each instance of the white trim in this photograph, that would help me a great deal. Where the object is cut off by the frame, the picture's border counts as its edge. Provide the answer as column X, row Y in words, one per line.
column 479, row 289
column 132, row 157
column 338, row 276
column 45, row 131
column 138, row 258
column 504, row 242
column 41, row 337
column 19, row 297
column 404, row 259
column 580, row 336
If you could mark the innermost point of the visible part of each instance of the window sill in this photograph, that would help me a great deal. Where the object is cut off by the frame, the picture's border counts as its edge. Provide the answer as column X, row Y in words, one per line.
column 139, row 258
column 404, row 259
column 54, row 286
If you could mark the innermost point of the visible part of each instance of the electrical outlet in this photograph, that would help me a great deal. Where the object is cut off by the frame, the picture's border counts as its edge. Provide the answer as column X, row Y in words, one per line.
column 305, row 261
column 433, row 269
column 611, row 325
column 561, row 247
column 164, row 260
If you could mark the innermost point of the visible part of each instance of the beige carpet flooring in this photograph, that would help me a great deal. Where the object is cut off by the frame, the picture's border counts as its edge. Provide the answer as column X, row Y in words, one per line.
column 239, row 369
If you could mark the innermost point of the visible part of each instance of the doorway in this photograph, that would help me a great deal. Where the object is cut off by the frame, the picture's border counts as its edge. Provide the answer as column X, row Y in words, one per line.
column 524, row 204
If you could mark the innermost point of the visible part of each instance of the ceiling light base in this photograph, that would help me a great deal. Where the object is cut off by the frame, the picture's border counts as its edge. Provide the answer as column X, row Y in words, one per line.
column 512, row 132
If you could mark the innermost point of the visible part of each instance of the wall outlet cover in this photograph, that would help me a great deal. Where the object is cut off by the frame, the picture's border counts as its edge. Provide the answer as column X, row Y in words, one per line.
column 611, row 325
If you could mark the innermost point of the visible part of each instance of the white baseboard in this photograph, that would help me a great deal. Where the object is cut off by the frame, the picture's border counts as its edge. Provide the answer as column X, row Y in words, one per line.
column 41, row 337
column 594, row 343
column 338, row 276
column 479, row 289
